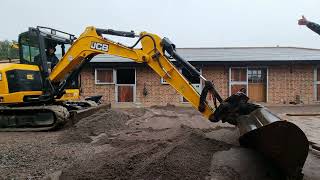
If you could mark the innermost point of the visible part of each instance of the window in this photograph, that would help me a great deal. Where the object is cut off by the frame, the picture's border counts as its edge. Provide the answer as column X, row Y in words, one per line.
column 30, row 53
column 104, row 76
column 317, row 83
column 239, row 74
column 256, row 75
column 30, row 49
column 238, row 79
column 61, row 49
column 163, row 81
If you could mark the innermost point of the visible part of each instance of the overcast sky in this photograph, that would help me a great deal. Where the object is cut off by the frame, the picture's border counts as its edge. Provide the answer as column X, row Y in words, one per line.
column 188, row 23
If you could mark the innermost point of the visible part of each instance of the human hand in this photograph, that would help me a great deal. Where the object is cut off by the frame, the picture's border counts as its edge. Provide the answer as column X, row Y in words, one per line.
column 303, row 21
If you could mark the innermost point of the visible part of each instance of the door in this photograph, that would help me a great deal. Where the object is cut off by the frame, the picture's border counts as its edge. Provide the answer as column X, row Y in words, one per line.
column 125, row 85
column 257, row 84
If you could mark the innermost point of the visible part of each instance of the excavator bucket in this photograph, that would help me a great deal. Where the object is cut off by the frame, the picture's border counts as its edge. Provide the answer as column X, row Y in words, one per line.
column 281, row 142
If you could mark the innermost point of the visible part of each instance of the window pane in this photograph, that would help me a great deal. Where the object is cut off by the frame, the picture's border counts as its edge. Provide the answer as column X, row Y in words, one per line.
column 34, row 52
column 25, row 52
column 258, row 76
column 234, row 74
column 239, row 74
column 126, row 76
column 104, row 76
column 318, row 74
column 30, row 49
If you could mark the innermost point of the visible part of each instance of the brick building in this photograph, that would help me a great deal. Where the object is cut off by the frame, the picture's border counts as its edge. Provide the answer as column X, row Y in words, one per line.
column 275, row 75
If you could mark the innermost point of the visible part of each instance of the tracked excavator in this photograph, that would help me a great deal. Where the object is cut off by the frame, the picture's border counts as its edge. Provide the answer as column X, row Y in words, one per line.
column 31, row 94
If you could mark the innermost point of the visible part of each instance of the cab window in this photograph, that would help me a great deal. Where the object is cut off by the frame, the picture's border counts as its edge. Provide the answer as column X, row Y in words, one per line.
column 59, row 50
column 30, row 49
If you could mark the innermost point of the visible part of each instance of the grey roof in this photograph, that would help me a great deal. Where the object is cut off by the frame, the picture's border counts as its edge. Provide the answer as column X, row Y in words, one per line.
column 236, row 54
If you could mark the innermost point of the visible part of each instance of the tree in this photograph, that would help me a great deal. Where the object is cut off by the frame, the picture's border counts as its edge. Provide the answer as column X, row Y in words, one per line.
column 7, row 50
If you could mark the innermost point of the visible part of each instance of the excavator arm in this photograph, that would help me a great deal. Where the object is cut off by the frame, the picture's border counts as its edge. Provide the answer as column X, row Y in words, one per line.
column 153, row 52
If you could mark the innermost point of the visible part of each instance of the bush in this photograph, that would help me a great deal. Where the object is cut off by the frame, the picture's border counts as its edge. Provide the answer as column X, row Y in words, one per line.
column 7, row 51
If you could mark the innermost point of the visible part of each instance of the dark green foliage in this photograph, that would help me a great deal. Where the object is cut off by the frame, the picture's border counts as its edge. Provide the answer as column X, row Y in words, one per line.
column 7, row 51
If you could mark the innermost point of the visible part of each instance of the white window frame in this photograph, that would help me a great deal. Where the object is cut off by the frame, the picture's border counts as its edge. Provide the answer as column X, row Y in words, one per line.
column 117, row 85
column 163, row 81
column 238, row 82
column 104, row 83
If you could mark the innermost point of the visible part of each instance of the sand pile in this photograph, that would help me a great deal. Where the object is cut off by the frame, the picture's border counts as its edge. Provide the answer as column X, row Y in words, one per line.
column 104, row 121
column 185, row 155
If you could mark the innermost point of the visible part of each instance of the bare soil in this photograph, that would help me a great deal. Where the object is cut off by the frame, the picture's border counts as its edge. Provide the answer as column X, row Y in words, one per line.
column 146, row 143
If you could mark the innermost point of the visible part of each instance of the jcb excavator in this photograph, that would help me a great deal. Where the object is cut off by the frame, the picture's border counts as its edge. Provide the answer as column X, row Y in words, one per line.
column 30, row 91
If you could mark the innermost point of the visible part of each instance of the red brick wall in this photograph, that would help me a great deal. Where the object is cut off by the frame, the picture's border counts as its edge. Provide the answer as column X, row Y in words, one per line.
column 283, row 85
column 89, row 88
column 220, row 77
column 286, row 82
column 158, row 94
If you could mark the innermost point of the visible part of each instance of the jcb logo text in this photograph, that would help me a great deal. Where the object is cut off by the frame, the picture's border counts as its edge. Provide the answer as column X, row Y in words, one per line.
column 99, row 46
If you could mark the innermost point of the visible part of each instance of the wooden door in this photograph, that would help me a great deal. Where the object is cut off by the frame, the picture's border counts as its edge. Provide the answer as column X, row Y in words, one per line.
column 257, row 92
column 125, row 93
column 257, row 84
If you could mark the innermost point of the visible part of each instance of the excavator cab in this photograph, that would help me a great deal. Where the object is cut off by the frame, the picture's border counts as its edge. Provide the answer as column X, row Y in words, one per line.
column 33, row 46
column 33, row 49
column 22, row 84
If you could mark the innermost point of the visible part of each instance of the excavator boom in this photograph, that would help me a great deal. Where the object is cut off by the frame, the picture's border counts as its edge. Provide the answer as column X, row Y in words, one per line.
column 153, row 50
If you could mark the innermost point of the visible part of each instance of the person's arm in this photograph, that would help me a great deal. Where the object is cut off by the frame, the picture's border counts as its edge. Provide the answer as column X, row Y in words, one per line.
column 54, row 62
column 311, row 25
column 314, row 27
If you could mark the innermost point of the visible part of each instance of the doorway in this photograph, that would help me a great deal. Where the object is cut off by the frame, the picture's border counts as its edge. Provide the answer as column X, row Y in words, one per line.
column 125, row 85
column 257, row 83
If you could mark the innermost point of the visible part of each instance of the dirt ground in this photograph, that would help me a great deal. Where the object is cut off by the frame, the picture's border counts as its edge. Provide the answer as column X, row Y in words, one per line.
column 146, row 143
